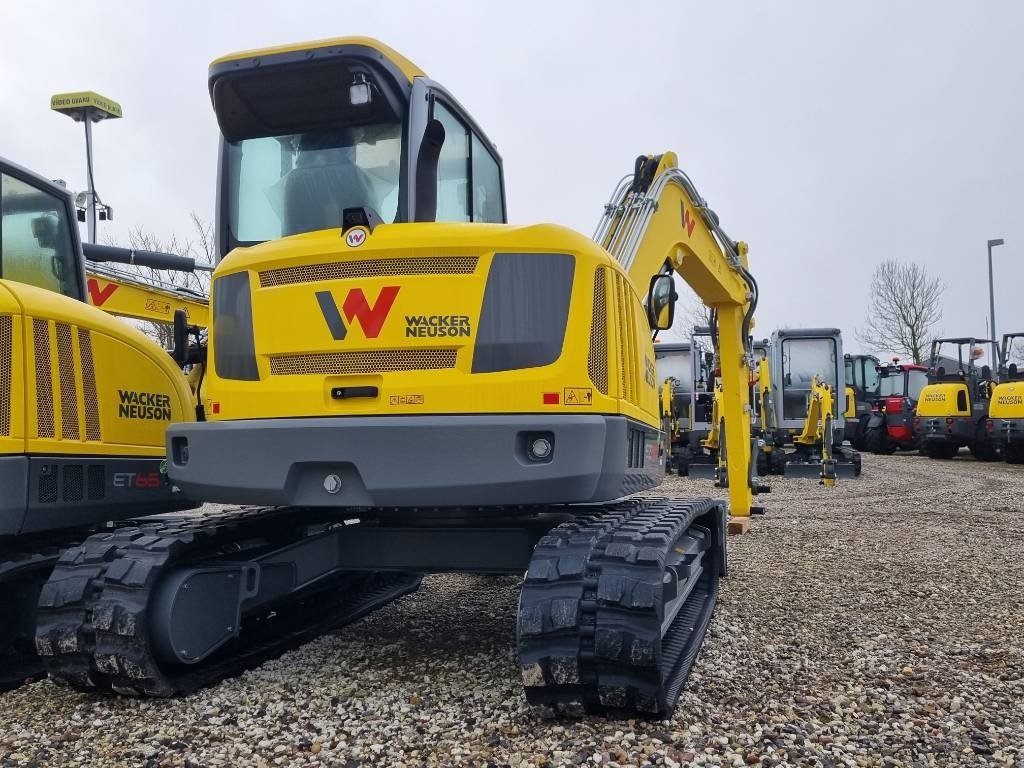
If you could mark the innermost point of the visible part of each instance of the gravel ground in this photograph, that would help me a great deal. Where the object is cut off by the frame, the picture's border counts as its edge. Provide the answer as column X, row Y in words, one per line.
column 877, row 623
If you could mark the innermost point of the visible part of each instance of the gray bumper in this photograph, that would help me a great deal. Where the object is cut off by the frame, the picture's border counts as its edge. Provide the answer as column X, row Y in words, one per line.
column 1008, row 431
column 961, row 431
column 412, row 461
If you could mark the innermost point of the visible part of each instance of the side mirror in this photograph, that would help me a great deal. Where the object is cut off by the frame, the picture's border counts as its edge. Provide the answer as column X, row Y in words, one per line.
column 661, row 302
column 183, row 353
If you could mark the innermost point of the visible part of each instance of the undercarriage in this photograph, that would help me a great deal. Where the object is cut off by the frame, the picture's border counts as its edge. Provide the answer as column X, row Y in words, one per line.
column 615, row 605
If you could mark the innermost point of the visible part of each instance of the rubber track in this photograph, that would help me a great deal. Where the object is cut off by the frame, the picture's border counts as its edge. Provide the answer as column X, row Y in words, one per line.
column 591, row 609
column 93, row 630
column 18, row 662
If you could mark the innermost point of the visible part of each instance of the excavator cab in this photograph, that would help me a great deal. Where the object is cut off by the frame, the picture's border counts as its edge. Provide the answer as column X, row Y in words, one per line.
column 953, row 409
column 808, row 374
column 353, row 126
column 1005, row 421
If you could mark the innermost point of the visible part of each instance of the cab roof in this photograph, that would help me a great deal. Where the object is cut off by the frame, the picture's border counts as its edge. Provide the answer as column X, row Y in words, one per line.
column 273, row 54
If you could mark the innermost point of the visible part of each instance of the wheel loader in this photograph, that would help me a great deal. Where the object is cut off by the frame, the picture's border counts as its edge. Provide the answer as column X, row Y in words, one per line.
column 84, row 398
column 407, row 384
column 953, row 409
column 1006, row 407
column 891, row 422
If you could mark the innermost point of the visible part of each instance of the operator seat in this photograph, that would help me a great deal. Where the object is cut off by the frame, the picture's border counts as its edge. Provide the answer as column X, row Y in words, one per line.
column 324, row 181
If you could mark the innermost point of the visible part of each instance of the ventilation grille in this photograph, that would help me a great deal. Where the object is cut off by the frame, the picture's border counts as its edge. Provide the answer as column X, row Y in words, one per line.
column 71, row 483
column 97, row 482
column 48, row 484
column 92, row 408
column 379, row 361
column 44, row 382
column 628, row 352
column 597, row 361
column 341, row 270
column 74, row 482
column 69, row 428
column 6, row 365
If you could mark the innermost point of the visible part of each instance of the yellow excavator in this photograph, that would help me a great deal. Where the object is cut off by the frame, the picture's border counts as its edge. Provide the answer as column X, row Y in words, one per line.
column 84, row 397
column 465, row 394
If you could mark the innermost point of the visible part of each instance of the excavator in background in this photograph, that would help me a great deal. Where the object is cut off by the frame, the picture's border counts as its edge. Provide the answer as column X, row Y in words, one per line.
column 809, row 399
column 862, row 384
column 891, row 424
column 954, row 406
column 411, row 385
column 1006, row 408
column 687, row 369
column 84, row 398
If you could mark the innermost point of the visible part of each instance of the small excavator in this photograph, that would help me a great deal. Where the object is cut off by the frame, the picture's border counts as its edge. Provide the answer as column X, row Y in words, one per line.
column 954, row 406
column 1005, row 421
column 408, row 385
column 688, row 382
column 808, row 395
column 84, row 398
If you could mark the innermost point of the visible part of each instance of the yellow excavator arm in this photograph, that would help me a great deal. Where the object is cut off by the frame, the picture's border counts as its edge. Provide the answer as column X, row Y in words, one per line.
column 657, row 223
column 818, row 427
column 127, row 294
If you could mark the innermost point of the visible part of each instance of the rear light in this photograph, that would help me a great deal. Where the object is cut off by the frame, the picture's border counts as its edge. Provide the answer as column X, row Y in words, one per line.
column 990, row 425
column 949, row 422
column 894, row 405
column 917, row 423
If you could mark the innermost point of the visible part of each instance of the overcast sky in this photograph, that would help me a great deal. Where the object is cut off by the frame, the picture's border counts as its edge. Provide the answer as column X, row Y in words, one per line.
column 829, row 135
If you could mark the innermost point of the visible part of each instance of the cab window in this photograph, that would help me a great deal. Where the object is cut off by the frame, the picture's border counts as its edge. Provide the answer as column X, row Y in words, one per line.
column 452, row 168
column 35, row 238
column 487, row 203
column 468, row 175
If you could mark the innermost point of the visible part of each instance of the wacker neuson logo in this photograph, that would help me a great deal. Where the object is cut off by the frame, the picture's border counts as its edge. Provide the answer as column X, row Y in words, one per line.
column 431, row 326
column 151, row 406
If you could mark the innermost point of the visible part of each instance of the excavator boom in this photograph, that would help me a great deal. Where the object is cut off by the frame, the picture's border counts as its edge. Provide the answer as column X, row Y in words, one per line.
column 657, row 223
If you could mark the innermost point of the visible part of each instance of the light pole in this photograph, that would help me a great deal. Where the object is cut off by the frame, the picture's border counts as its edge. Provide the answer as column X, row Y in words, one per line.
column 88, row 107
column 992, row 304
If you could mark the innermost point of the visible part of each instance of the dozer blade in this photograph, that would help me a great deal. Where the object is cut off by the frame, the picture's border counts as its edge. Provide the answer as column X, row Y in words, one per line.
column 616, row 604
column 703, row 471
column 806, row 469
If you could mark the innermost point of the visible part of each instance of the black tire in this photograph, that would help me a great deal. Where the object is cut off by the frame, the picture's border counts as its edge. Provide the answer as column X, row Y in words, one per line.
column 877, row 440
column 860, row 432
column 933, row 449
column 1013, row 453
column 981, row 446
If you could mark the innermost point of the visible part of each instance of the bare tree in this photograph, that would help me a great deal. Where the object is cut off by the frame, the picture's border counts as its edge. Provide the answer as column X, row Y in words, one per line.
column 200, row 246
column 905, row 305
